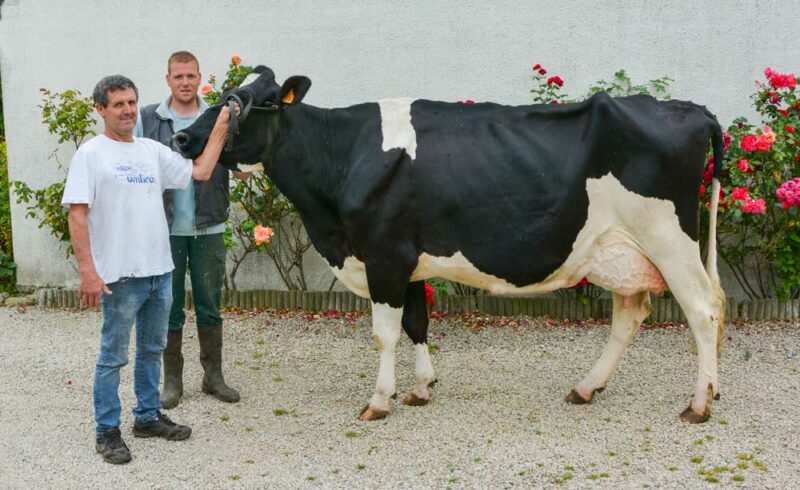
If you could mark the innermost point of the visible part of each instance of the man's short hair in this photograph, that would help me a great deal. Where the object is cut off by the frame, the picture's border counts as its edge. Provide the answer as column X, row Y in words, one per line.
column 112, row 83
column 182, row 57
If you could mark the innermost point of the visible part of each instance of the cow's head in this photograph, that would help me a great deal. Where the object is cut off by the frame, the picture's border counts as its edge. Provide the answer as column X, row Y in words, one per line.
column 261, row 103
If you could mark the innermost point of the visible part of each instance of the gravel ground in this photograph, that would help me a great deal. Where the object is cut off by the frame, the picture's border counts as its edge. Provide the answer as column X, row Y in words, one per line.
column 498, row 418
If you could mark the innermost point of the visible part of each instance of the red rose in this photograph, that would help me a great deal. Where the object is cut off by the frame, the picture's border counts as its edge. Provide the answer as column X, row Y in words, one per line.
column 429, row 294
column 749, row 142
column 702, row 190
column 783, row 112
column 556, row 80
column 470, row 101
column 726, row 140
column 536, row 66
column 789, row 129
column 740, row 194
column 542, row 72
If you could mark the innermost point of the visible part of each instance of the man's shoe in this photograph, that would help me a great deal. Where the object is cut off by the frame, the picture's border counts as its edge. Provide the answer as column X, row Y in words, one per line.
column 112, row 447
column 162, row 426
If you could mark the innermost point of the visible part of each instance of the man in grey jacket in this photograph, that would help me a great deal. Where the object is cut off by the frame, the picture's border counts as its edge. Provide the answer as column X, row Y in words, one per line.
column 196, row 218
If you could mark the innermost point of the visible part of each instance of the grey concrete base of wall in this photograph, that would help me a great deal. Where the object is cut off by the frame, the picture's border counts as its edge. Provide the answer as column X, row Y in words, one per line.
column 664, row 310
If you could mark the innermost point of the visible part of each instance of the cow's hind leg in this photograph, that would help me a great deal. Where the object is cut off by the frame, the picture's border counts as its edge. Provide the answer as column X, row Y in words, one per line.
column 702, row 301
column 415, row 323
column 629, row 312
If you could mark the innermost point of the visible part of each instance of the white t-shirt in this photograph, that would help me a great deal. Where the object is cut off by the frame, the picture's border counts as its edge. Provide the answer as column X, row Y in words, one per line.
column 122, row 183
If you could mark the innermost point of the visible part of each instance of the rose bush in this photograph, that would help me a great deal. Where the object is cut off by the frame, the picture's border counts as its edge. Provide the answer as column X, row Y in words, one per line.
column 758, row 224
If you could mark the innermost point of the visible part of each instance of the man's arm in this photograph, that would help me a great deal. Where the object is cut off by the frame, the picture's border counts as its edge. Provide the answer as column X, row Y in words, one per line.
column 91, row 283
column 204, row 164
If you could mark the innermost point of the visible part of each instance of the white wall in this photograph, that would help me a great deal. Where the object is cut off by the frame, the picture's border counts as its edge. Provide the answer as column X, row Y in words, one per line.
column 362, row 51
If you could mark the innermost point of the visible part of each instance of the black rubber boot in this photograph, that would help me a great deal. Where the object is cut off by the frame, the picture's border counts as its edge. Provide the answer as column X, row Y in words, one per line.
column 211, row 360
column 173, row 370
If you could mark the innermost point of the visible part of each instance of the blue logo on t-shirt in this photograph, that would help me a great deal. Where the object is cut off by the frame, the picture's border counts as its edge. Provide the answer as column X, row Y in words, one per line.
column 134, row 173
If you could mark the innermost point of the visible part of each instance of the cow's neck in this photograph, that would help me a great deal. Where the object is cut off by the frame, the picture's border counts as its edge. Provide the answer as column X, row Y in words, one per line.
column 312, row 152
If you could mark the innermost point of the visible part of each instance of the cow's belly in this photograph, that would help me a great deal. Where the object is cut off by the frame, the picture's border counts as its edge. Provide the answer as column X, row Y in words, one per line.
column 610, row 250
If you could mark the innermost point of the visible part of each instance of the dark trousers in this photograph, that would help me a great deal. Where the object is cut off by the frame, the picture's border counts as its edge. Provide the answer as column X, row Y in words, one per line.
column 205, row 257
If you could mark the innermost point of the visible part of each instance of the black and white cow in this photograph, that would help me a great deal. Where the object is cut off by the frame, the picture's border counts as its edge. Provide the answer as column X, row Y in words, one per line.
column 515, row 200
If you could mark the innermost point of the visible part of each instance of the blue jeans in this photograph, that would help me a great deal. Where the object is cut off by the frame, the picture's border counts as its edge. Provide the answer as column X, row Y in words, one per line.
column 146, row 301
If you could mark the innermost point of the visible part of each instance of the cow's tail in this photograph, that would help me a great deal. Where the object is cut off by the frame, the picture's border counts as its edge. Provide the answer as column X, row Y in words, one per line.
column 717, row 146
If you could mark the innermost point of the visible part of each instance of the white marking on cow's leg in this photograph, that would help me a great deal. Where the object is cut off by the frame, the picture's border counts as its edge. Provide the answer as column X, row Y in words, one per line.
column 423, row 370
column 396, row 125
column 629, row 311
column 386, row 328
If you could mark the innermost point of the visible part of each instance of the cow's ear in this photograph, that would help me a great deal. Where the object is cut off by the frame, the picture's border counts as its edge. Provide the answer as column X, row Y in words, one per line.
column 294, row 89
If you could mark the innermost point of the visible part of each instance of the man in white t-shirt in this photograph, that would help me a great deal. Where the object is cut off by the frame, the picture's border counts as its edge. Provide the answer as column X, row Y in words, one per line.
column 121, row 241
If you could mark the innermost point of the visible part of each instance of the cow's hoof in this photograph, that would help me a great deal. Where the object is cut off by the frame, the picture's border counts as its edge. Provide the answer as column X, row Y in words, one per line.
column 576, row 399
column 693, row 417
column 369, row 414
column 412, row 400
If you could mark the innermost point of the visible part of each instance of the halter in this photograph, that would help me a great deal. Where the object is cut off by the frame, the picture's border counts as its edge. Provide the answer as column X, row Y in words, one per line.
column 233, row 100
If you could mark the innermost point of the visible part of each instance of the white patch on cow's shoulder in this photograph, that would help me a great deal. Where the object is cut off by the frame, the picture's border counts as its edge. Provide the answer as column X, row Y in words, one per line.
column 255, row 167
column 621, row 234
column 396, row 125
column 250, row 79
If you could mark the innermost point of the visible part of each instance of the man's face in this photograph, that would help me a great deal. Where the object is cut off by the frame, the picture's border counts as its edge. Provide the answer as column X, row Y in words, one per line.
column 183, row 80
column 121, row 112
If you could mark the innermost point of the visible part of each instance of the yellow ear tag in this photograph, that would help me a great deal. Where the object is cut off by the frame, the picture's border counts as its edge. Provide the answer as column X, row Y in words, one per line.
column 289, row 97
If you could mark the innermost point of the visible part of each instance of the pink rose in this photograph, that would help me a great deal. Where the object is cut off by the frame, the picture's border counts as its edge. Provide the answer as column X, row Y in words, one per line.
column 744, row 165
column 754, row 206
column 262, row 234
column 206, row 89
column 789, row 193
column 726, row 140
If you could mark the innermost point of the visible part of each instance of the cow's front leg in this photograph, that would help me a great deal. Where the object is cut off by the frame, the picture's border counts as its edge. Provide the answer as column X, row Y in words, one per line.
column 385, row 332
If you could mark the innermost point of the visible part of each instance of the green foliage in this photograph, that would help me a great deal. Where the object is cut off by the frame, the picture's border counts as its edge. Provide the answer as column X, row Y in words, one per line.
column 548, row 88
column 759, row 237
column 234, row 77
column 2, row 122
column 69, row 115
column 621, row 85
column 45, row 205
column 7, row 266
